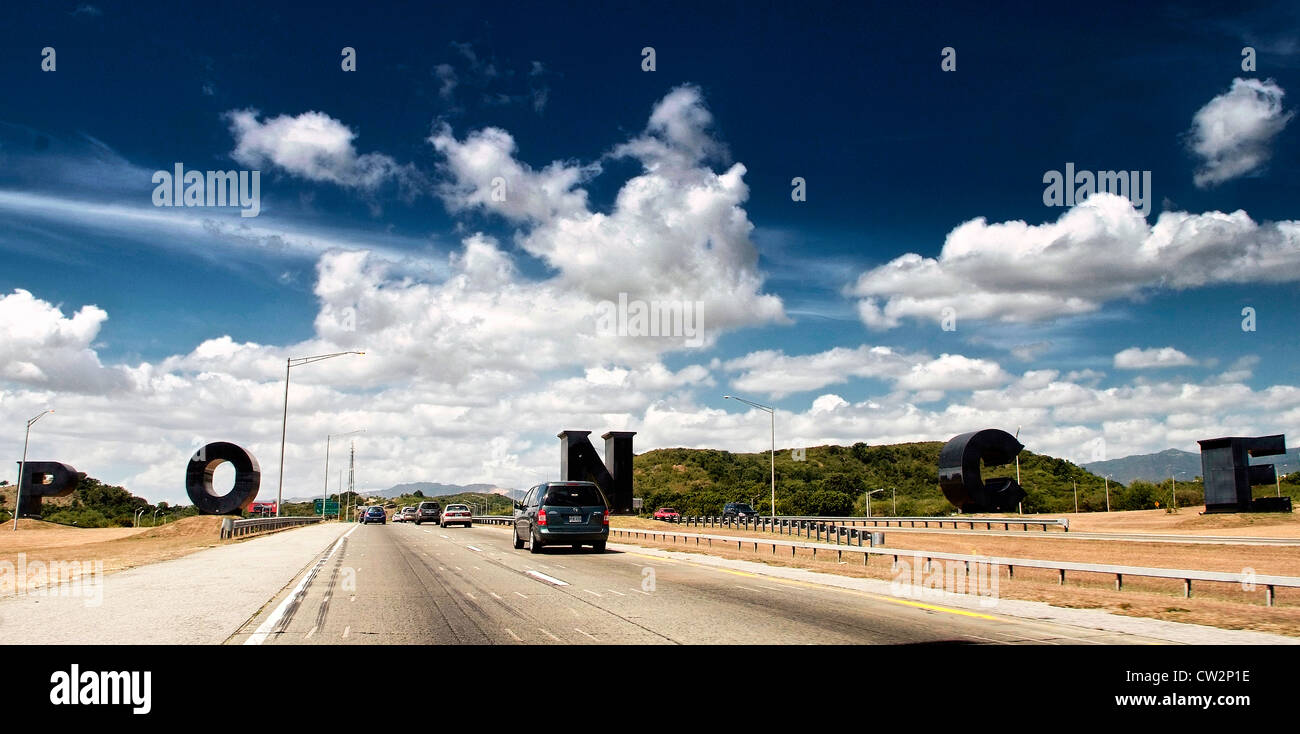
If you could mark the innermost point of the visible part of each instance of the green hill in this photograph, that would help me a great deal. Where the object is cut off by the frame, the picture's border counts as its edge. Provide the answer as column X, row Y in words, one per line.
column 831, row 481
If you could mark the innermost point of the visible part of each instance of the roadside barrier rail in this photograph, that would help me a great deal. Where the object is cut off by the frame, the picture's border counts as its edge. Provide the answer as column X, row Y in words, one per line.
column 799, row 524
column 231, row 528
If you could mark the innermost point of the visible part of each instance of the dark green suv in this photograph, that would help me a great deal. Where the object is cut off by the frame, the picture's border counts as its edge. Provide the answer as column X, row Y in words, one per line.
column 562, row 513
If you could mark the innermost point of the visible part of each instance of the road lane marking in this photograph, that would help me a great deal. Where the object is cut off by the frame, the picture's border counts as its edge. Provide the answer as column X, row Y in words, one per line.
column 521, row 596
column 260, row 635
column 512, row 634
column 440, row 535
column 575, row 629
column 480, row 550
column 748, row 588
column 346, row 630
column 495, row 595
column 475, row 598
column 548, row 634
column 311, row 632
column 544, row 577
column 593, row 593
column 615, row 593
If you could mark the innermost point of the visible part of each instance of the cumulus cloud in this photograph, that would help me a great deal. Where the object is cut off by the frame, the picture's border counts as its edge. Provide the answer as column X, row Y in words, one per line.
column 1099, row 250
column 678, row 232
column 1233, row 133
column 313, row 146
column 1134, row 358
column 44, row 348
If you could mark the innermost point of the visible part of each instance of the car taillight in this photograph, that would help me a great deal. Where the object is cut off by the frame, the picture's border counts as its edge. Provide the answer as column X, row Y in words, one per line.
column 604, row 517
column 541, row 517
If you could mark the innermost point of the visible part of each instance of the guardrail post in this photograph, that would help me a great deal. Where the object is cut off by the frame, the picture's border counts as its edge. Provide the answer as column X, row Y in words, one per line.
column 1187, row 588
column 1268, row 596
column 1061, row 580
column 1119, row 581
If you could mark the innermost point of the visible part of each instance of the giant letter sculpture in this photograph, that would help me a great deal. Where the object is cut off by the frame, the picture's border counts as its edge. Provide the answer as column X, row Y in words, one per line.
column 959, row 471
column 198, row 479
column 1228, row 475
column 579, row 463
column 45, row 479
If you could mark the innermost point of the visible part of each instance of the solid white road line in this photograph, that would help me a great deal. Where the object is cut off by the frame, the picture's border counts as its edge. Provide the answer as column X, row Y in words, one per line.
column 259, row 636
column 544, row 577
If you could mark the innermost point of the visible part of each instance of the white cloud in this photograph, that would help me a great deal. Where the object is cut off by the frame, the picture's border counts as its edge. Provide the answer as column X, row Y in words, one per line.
column 677, row 232
column 1134, row 358
column 1233, row 132
column 313, row 146
column 43, row 348
column 1097, row 251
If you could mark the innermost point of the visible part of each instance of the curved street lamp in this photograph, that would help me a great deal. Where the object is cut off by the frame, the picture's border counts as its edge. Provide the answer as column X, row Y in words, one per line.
column 22, row 467
column 284, row 422
column 772, row 412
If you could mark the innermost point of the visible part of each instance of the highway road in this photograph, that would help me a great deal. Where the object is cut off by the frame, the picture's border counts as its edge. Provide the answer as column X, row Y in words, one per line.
column 399, row 583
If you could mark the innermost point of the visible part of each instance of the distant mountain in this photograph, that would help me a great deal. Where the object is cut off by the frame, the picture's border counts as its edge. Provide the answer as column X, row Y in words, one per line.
column 1158, row 466
column 435, row 489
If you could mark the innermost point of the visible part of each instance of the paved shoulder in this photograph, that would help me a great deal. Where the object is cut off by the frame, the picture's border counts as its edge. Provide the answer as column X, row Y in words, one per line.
column 199, row 599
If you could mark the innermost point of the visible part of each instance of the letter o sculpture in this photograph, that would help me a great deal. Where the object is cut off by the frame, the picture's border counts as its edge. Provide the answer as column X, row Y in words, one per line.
column 198, row 479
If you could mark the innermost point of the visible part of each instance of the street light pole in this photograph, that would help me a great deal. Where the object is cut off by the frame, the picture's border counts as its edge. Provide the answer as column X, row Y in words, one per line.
column 22, row 468
column 1107, row 478
column 869, row 499
column 772, row 412
column 284, row 420
column 1020, row 506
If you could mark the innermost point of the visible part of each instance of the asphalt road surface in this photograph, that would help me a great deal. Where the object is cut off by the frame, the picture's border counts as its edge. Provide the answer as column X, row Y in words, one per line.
column 399, row 583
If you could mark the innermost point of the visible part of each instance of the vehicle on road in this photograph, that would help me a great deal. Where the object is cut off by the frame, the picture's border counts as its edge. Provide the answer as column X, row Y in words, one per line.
column 397, row 516
column 667, row 514
column 738, row 510
column 562, row 513
column 407, row 514
column 457, row 515
column 428, row 512
column 374, row 514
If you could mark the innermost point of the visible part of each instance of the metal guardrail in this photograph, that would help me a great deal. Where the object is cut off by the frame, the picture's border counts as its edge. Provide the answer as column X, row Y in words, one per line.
column 1248, row 581
column 785, row 523
column 493, row 519
column 231, row 528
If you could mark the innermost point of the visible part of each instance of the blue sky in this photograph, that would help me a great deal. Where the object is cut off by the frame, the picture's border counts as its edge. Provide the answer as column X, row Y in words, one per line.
column 1104, row 332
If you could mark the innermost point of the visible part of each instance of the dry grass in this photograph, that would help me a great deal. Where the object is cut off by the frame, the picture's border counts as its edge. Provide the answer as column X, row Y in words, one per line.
column 118, row 548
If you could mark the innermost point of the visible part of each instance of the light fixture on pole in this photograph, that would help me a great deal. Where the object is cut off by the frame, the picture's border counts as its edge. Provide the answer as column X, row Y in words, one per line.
column 325, row 498
column 284, row 421
column 155, row 517
column 22, row 467
column 869, row 499
column 772, row 412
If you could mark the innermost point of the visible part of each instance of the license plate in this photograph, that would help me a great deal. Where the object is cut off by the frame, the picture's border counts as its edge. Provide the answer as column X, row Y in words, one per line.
column 575, row 518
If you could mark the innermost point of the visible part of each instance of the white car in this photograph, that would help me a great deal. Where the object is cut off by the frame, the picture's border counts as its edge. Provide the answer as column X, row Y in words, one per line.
column 457, row 515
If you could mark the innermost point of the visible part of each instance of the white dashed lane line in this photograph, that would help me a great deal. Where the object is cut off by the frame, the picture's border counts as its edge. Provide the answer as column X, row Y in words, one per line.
column 544, row 577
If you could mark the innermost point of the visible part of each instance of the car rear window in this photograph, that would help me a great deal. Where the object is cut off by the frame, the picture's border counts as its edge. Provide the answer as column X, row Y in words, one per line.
column 457, row 508
column 573, row 495
column 428, row 505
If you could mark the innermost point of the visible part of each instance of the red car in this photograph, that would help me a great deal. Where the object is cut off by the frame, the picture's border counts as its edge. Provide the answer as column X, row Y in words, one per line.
column 667, row 514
